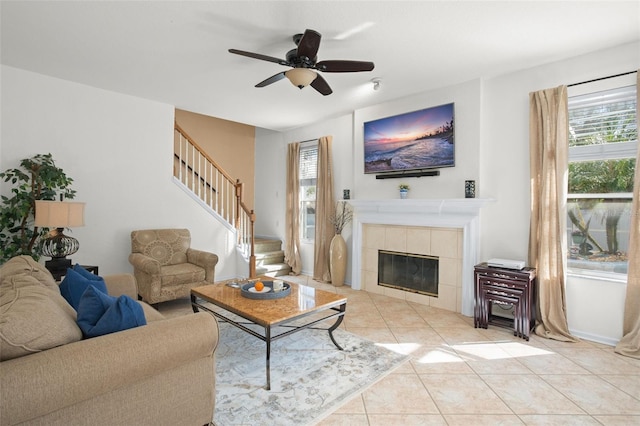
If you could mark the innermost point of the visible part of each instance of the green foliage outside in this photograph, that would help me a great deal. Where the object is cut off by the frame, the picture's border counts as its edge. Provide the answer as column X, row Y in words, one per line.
column 37, row 178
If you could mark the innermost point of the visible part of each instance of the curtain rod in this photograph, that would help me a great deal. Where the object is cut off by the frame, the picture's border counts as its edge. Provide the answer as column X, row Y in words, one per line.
column 601, row 78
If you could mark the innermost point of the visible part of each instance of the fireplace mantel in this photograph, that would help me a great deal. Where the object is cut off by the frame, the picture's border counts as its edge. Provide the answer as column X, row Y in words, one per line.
column 439, row 213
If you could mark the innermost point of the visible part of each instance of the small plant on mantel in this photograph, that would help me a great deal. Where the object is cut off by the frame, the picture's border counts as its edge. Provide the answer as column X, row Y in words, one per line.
column 403, row 187
column 342, row 216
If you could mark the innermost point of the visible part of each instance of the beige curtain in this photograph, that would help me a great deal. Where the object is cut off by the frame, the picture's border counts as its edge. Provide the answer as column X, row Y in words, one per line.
column 292, row 213
column 629, row 345
column 549, row 146
column 325, row 206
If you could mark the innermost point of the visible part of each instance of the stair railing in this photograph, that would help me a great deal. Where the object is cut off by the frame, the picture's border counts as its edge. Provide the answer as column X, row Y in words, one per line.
column 206, row 180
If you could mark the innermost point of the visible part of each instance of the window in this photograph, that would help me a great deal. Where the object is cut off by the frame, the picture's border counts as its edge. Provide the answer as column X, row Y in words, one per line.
column 308, row 177
column 603, row 141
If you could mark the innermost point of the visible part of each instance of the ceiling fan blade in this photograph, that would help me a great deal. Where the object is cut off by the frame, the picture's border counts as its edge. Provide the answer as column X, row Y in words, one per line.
column 259, row 56
column 271, row 79
column 309, row 44
column 321, row 85
column 344, row 66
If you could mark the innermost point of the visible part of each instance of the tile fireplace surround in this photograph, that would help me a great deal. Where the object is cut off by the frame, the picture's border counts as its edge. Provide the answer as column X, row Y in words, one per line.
column 447, row 228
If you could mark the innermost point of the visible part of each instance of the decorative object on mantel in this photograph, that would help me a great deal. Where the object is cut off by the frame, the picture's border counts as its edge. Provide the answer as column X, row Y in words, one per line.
column 404, row 190
column 338, row 247
column 346, row 194
column 469, row 189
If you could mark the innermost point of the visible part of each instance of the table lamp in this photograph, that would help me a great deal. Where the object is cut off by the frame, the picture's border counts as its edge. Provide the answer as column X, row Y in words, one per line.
column 57, row 245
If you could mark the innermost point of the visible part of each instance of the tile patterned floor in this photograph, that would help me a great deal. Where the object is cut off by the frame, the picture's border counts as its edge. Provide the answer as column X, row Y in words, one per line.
column 459, row 375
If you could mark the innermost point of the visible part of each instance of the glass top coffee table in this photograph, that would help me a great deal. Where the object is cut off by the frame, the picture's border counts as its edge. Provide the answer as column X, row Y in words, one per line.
column 303, row 308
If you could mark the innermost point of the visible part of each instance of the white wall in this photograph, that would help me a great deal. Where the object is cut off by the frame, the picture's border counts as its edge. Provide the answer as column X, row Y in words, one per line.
column 118, row 150
column 595, row 307
column 450, row 182
column 492, row 147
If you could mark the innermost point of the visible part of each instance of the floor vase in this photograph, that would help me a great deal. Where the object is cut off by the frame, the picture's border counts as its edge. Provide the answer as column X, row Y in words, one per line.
column 338, row 260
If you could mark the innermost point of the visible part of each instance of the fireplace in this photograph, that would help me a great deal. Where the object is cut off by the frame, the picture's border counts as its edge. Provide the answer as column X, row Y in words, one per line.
column 447, row 228
column 416, row 273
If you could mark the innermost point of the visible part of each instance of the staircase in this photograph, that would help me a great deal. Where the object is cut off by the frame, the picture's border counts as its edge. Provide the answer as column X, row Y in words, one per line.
column 199, row 175
column 270, row 258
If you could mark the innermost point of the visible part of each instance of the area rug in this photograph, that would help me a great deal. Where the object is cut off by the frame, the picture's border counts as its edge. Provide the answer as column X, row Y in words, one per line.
column 310, row 377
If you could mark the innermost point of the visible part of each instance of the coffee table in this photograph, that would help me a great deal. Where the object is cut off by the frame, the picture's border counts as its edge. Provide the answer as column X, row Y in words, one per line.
column 303, row 308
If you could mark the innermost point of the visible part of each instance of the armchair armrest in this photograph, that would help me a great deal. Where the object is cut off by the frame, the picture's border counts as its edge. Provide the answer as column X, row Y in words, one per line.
column 120, row 284
column 144, row 263
column 205, row 260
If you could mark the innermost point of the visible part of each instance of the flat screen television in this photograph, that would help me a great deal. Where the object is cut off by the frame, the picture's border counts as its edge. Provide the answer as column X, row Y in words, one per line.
column 412, row 141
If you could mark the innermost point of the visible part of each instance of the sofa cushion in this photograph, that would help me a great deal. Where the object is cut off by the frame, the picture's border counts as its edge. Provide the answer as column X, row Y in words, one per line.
column 75, row 284
column 34, row 318
column 99, row 313
column 26, row 265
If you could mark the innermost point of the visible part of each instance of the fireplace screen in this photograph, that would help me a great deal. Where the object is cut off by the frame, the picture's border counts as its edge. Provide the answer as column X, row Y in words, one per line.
column 410, row 272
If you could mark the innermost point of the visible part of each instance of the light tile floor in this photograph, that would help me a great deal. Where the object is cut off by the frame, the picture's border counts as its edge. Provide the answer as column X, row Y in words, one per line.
column 459, row 375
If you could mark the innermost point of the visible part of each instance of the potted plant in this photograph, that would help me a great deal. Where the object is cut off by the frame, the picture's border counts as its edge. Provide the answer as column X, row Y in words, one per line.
column 37, row 178
column 404, row 189
column 338, row 248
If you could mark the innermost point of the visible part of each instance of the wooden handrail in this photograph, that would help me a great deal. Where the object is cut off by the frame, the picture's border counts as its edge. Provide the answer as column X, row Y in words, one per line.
column 246, row 237
column 204, row 154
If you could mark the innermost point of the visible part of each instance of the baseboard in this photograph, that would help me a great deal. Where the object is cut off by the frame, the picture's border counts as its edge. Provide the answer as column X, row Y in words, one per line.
column 595, row 338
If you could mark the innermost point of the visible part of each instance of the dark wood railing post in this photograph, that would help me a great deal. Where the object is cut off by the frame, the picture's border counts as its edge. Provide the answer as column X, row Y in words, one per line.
column 252, row 256
column 238, row 201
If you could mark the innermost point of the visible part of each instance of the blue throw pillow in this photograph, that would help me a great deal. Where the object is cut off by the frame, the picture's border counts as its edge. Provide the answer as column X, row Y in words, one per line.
column 74, row 285
column 88, row 275
column 100, row 314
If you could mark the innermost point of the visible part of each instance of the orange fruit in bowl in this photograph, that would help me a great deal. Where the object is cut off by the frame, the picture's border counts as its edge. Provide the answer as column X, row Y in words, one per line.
column 259, row 286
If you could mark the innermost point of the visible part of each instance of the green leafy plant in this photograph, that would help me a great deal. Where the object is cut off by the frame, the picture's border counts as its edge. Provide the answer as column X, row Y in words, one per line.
column 403, row 187
column 37, row 178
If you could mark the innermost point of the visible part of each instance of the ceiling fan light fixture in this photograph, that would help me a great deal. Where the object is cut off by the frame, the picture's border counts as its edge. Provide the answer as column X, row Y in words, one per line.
column 301, row 77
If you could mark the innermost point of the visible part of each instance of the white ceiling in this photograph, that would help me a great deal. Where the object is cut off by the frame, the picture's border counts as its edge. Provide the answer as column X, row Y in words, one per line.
column 175, row 52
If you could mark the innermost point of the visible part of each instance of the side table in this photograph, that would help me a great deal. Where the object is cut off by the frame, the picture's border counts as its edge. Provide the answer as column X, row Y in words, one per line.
column 506, row 287
column 59, row 274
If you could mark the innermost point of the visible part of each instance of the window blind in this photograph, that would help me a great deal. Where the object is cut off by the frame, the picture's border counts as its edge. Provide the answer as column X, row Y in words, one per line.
column 308, row 165
column 603, row 117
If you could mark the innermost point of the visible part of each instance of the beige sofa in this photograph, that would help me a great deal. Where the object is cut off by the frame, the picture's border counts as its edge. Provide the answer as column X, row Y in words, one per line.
column 162, row 373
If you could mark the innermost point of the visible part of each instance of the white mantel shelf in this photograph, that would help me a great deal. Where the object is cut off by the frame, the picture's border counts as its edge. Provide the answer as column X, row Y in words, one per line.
column 421, row 206
column 444, row 213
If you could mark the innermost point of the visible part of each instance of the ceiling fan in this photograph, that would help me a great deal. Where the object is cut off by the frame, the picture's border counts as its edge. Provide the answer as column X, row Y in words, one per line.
column 303, row 62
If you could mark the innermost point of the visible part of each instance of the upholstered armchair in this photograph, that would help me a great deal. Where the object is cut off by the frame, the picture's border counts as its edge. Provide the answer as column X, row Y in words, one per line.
column 166, row 267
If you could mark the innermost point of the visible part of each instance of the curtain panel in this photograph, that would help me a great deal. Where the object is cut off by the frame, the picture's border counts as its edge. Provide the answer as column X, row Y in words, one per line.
column 325, row 208
column 629, row 345
column 292, row 212
column 549, row 148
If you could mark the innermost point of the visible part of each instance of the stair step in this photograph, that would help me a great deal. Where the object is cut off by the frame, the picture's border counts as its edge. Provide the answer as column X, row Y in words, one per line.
column 273, row 270
column 270, row 257
column 263, row 245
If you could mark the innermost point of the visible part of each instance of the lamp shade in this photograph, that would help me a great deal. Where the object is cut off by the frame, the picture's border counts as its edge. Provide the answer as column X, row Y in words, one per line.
column 59, row 214
column 301, row 77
